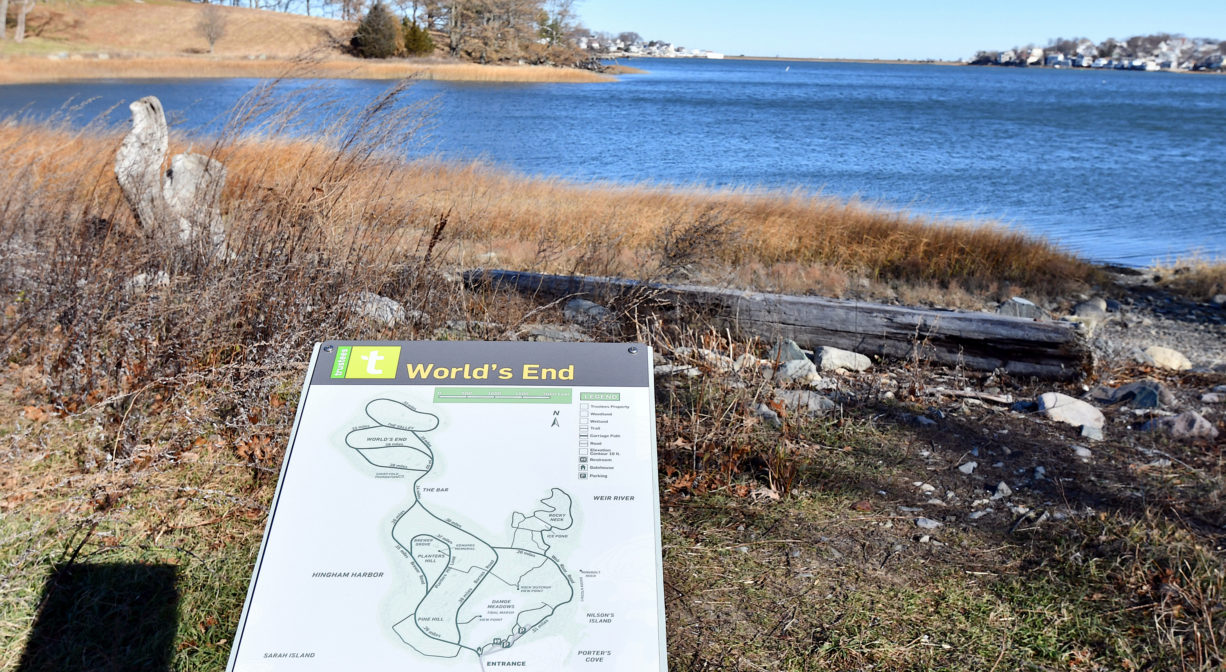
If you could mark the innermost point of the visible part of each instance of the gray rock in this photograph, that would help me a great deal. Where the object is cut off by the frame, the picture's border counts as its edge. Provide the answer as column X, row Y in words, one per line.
column 1063, row 408
column 715, row 359
column 785, row 351
column 831, row 359
column 376, row 308
column 927, row 523
column 585, row 312
column 768, row 414
column 1082, row 452
column 677, row 370
column 1166, row 358
column 1040, row 473
column 1092, row 433
column 968, row 468
column 1090, row 314
column 1142, row 394
column 1019, row 307
column 1212, row 397
column 1095, row 309
column 804, row 401
column 1187, row 425
column 793, row 370
column 1002, row 491
column 1220, row 388
column 747, row 363
column 1092, row 304
column 552, row 333
column 482, row 328
column 924, row 421
column 1219, row 300
column 143, row 281
column 1102, row 394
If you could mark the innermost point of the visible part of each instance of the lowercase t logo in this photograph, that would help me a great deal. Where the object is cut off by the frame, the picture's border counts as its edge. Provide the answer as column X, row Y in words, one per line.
column 373, row 361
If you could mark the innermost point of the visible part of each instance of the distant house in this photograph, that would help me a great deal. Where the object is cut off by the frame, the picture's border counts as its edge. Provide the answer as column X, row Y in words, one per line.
column 1057, row 60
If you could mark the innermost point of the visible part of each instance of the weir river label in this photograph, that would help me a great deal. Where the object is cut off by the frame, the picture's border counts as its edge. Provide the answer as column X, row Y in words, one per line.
column 463, row 505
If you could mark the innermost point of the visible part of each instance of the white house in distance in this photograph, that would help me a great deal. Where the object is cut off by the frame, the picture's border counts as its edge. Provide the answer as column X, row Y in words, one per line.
column 640, row 49
column 1148, row 53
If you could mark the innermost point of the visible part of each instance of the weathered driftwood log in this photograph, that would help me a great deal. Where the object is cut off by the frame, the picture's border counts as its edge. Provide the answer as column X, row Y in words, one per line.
column 181, row 207
column 978, row 341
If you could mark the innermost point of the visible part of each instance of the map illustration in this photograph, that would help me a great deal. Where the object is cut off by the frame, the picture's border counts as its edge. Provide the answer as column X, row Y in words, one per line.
column 476, row 595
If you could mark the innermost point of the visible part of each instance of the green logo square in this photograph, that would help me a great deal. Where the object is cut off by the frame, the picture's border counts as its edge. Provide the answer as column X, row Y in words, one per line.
column 376, row 361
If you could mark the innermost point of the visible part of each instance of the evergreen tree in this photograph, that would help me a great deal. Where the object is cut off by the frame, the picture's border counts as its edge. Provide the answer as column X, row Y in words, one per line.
column 377, row 36
column 417, row 41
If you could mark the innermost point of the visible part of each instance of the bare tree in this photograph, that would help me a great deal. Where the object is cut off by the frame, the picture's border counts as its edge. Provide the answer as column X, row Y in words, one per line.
column 630, row 37
column 351, row 10
column 211, row 24
column 19, row 35
column 4, row 19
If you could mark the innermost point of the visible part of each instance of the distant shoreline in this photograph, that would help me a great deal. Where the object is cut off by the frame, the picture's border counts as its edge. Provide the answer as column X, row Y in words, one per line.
column 881, row 61
column 78, row 67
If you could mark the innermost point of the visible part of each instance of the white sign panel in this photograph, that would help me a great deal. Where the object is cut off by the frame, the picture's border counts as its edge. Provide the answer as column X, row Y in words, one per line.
column 465, row 505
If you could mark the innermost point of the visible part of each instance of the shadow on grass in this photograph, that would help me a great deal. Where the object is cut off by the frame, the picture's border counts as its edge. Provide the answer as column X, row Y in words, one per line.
column 104, row 617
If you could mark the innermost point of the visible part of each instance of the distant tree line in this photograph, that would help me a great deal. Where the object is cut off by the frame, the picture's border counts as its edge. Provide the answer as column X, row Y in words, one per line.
column 484, row 31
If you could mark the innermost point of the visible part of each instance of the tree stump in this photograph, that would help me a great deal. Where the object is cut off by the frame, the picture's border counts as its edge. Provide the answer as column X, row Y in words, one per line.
column 180, row 207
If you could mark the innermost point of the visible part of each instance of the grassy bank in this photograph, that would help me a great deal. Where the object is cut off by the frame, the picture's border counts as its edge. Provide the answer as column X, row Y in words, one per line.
column 149, row 389
column 28, row 70
column 120, row 39
column 784, row 241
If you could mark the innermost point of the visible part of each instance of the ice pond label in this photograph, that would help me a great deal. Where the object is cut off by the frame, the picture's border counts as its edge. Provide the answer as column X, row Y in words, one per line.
column 451, row 505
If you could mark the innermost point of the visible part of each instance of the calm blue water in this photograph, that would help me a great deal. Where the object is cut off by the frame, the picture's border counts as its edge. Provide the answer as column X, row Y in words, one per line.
column 1119, row 166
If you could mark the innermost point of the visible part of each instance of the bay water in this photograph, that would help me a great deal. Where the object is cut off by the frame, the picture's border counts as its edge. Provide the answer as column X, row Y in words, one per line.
column 1122, row 167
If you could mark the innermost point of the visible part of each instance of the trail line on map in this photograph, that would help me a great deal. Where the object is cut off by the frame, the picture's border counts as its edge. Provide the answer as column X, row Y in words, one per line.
column 395, row 442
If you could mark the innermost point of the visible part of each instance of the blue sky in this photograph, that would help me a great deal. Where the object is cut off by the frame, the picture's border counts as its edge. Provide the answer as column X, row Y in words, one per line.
column 893, row 28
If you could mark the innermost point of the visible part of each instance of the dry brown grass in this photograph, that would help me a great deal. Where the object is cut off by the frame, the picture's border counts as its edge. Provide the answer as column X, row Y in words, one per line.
column 625, row 70
column 167, row 28
column 1197, row 277
column 786, row 241
column 159, row 39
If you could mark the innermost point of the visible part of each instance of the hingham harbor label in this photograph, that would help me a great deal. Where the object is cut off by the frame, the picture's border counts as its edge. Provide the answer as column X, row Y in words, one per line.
column 445, row 505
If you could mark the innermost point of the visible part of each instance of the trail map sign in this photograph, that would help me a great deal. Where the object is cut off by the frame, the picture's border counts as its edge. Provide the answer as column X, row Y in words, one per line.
column 455, row 506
